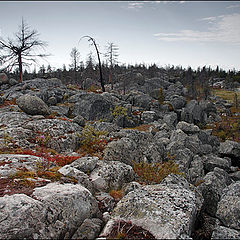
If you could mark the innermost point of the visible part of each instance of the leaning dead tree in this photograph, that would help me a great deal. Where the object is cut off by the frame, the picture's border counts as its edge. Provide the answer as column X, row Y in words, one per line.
column 21, row 50
column 99, row 61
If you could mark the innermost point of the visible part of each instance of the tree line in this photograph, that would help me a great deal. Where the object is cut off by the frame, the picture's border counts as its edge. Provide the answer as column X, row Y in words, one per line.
column 25, row 49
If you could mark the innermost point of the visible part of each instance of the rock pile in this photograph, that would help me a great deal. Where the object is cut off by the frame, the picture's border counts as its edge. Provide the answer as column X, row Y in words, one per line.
column 92, row 194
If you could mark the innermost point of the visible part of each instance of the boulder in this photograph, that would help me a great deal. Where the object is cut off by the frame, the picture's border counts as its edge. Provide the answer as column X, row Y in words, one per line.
column 149, row 116
column 62, row 134
column 54, row 211
column 228, row 209
column 193, row 113
column 170, row 118
column 89, row 229
column 80, row 176
column 196, row 170
column 92, row 106
column 212, row 161
column 167, row 210
column 67, row 206
column 22, row 217
column 33, row 105
column 212, row 188
column 221, row 232
column 111, row 175
column 178, row 102
column 230, row 149
column 13, row 81
column 85, row 164
column 188, row 128
column 3, row 78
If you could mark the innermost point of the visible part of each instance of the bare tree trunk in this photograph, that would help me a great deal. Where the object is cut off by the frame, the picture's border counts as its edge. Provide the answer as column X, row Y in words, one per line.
column 20, row 66
column 110, row 77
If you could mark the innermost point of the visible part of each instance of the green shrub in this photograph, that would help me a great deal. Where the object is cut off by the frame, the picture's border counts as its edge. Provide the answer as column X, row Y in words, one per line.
column 119, row 111
column 161, row 96
column 90, row 140
column 154, row 173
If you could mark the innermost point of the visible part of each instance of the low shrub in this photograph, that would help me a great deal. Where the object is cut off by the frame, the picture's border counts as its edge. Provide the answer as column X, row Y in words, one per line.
column 154, row 173
column 91, row 140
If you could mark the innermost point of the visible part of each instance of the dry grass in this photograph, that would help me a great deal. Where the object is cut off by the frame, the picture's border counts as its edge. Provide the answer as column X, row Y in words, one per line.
column 226, row 94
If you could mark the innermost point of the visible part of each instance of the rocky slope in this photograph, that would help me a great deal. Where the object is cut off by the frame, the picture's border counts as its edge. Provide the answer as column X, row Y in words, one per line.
column 71, row 163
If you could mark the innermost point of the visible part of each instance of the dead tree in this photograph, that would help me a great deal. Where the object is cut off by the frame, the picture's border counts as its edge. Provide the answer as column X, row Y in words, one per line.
column 22, row 50
column 111, row 56
column 99, row 61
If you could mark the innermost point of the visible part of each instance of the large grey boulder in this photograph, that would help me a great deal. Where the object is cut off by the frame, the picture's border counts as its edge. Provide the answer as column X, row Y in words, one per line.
column 62, row 134
column 54, row 211
column 80, row 176
column 196, row 170
column 3, row 78
column 85, row 164
column 170, row 118
column 178, row 102
column 194, row 113
column 188, row 128
column 67, row 207
column 33, row 105
column 221, row 232
column 212, row 189
column 212, row 161
column 230, row 148
column 167, row 210
column 110, row 175
column 89, row 229
column 22, row 217
column 92, row 106
column 228, row 209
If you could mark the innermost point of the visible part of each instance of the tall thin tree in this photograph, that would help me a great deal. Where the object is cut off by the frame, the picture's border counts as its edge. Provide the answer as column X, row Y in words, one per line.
column 22, row 49
column 99, row 61
column 74, row 62
column 111, row 55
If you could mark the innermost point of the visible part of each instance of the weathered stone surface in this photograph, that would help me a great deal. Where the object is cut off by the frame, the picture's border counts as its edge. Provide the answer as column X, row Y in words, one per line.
column 13, row 118
column 187, row 127
column 212, row 161
column 21, row 217
column 235, row 176
column 67, row 207
column 167, row 210
column 221, row 232
column 177, row 101
column 89, row 229
column 12, row 162
column 212, row 189
column 79, row 120
column 92, row 106
column 196, row 170
column 194, row 113
column 3, row 78
column 170, row 118
column 230, row 148
column 13, row 81
column 62, row 133
column 82, row 178
column 228, row 210
column 106, row 127
column 33, row 105
column 110, row 175
column 149, row 116
column 85, row 164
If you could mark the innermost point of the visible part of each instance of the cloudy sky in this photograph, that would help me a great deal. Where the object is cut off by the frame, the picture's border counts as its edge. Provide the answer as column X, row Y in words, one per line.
column 183, row 33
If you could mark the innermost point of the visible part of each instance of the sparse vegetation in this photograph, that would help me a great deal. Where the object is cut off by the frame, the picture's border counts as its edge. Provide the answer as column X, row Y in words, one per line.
column 154, row 173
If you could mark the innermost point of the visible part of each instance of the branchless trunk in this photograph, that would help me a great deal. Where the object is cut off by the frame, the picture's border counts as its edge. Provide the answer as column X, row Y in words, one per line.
column 20, row 66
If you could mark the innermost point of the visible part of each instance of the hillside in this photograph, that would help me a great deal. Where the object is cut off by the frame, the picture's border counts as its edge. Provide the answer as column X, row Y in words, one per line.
column 143, row 163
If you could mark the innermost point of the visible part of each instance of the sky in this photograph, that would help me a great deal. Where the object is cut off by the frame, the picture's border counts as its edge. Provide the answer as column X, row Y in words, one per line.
column 186, row 33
